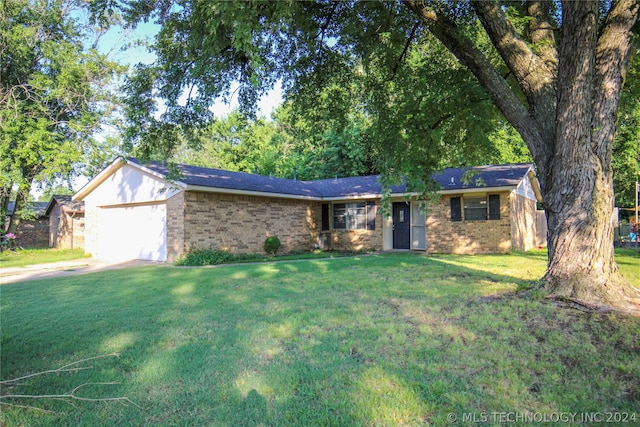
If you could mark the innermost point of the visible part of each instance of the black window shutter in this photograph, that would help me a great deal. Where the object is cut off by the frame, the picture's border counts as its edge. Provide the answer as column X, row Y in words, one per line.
column 494, row 206
column 325, row 216
column 456, row 209
column 371, row 215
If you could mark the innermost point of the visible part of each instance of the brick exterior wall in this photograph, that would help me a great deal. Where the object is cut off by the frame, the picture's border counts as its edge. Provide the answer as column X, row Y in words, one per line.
column 65, row 231
column 353, row 240
column 468, row 237
column 175, row 227
column 33, row 234
column 240, row 224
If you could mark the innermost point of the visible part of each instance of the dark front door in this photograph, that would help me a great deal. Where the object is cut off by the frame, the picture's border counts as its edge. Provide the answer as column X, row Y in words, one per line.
column 401, row 226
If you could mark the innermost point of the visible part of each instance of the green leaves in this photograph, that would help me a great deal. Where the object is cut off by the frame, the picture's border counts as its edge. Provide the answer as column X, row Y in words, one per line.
column 54, row 94
column 370, row 90
column 626, row 147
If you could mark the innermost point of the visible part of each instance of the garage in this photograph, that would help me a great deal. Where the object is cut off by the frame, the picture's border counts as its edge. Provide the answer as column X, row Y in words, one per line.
column 132, row 232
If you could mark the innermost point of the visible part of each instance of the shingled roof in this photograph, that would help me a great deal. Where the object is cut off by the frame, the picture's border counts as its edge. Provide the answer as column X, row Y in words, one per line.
column 68, row 205
column 38, row 208
column 459, row 179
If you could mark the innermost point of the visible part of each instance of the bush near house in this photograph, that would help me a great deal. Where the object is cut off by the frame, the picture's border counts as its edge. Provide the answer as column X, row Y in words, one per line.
column 201, row 257
column 271, row 245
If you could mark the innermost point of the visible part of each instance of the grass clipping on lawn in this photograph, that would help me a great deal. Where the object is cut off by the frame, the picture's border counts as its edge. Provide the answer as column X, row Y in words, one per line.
column 67, row 397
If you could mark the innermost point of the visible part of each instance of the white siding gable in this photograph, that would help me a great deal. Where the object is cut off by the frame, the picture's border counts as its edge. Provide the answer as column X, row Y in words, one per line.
column 129, row 184
column 525, row 189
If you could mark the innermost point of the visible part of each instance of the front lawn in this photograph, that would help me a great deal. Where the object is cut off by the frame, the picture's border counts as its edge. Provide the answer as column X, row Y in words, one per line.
column 24, row 257
column 395, row 339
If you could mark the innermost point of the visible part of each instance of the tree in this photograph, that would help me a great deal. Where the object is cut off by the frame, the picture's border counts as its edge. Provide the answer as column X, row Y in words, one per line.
column 324, row 143
column 239, row 143
column 626, row 148
column 553, row 69
column 58, row 190
column 53, row 96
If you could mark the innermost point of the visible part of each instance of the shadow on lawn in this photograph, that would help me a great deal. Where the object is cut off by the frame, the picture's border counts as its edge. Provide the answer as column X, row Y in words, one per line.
column 388, row 340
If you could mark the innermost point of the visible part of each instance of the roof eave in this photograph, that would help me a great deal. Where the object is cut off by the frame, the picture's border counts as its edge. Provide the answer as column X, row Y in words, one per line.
column 118, row 163
column 477, row 190
column 339, row 197
column 205, row 189
column 355, row 197
column 49, row 206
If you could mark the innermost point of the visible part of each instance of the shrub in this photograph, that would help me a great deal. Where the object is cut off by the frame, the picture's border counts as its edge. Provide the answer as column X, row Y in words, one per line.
column 271, row 245
column 198, row 257
column 8, row 242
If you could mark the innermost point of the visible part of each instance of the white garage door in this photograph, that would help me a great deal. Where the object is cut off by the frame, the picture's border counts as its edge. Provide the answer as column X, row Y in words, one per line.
column 135, row 232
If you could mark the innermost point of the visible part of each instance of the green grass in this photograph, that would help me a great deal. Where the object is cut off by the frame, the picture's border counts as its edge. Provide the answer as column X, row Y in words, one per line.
column 24, row 257
column 384, row 340
column 629, row 262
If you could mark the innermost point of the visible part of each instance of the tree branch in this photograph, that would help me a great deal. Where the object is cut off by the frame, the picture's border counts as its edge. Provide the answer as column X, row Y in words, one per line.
column 66, row 397
column 327, row 22
column 71, row 395
column 406, row 48
column 541, row 33
column 527, row 125
column 535, row 78
column 613, row 55
column 65, row 368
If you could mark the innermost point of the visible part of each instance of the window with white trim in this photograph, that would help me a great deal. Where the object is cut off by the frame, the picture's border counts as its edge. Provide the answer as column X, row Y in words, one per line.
column 475, row 208
column 354, row 216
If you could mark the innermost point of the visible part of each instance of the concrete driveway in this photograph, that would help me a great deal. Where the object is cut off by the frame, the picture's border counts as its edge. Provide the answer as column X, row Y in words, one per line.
column 66, row 268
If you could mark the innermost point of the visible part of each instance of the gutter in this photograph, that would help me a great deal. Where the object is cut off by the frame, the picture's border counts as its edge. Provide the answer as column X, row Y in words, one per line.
column 205, row 189
column 477, row 190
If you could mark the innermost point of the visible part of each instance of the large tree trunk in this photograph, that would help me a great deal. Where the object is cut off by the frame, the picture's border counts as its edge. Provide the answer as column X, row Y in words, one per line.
column 5, row 194
column 15, row 218
column 568, row 122
column 579, row 195
column 22, row 196
column 581, row 265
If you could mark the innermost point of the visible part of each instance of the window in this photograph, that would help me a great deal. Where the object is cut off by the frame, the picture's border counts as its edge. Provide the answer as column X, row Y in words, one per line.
column 494, row 206
column 325, row 216
column 475, row 208
column 354, row 216
column 456, row 211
